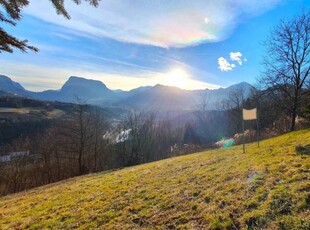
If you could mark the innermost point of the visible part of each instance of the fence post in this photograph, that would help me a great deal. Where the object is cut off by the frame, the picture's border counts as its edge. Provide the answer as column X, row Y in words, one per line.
column 243, row 135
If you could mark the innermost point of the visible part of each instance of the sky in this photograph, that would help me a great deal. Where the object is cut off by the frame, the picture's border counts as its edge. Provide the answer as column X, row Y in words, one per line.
column 127, row 44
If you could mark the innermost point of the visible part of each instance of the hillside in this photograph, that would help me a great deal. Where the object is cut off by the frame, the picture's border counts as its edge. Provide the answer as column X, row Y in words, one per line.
column 266, row 188
column 20, row 116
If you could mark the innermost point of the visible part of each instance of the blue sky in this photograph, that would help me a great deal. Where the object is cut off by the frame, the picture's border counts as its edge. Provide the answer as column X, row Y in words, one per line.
column 127, row 44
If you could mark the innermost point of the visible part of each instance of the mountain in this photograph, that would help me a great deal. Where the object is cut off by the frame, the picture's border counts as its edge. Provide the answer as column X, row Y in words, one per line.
column 160, row 97
column 76, row 87
column 167, row 98
column 244, row 86
column 266, row 188
column 85, row 87
column 11, row 87
column 156, row 98
column 218, row 95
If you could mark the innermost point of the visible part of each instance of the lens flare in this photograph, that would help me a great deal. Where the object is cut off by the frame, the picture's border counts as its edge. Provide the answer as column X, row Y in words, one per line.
column 229, row 143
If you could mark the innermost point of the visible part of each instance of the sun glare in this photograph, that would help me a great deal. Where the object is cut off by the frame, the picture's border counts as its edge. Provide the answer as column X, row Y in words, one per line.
column 178, row 78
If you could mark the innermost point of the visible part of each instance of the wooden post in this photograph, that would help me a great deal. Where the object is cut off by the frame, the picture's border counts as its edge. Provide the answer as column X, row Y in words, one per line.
column 257, row 132
column 243, row 139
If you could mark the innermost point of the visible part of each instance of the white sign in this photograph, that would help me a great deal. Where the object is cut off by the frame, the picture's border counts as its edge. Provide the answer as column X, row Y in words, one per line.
column 249, row 114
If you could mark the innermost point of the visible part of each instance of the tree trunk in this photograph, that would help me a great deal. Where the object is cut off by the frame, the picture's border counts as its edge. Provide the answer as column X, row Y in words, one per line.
column 294, row 111
column 293, row 118
column 95, row 151
column 80, row 162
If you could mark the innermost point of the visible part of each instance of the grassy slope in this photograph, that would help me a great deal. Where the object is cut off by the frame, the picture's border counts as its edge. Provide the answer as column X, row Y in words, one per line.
column 266, row 188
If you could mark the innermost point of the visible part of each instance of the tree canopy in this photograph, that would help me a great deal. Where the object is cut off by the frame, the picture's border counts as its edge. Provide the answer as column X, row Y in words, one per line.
column 11, row 12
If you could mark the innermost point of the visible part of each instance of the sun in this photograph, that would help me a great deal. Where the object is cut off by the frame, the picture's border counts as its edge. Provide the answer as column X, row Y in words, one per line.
column 177, row 77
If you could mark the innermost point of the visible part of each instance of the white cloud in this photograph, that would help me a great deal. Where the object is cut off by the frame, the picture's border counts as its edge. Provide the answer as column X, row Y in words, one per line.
column 173, row 23
column 236, row 56
column 224, row 65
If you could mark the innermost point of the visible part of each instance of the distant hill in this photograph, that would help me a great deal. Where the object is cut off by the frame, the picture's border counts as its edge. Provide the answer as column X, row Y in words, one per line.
column 161, row 97
column 266, row 188
column 167, row 98
column 11, row 87
column 156, row 98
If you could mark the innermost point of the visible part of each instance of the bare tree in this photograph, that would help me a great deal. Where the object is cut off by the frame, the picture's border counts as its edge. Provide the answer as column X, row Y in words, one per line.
column 146, row 137
column 203, row 106
column 76, row 136
column 204, row 99
column 98, row 146
column 237, row 97
column 132, row 124
column 287, row 62
column 233, row 106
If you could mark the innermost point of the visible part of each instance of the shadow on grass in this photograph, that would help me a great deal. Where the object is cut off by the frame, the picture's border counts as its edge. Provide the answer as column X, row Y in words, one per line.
column 305, row 150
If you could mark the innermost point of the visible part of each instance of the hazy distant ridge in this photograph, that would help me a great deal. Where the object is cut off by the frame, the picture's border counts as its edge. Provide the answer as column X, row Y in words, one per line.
column 158, row 97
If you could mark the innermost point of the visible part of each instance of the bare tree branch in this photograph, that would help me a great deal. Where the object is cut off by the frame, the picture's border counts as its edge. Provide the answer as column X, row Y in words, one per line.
column 287, row 62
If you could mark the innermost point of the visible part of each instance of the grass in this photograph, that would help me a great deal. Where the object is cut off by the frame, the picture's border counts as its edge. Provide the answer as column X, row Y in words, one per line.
column 266, row 188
